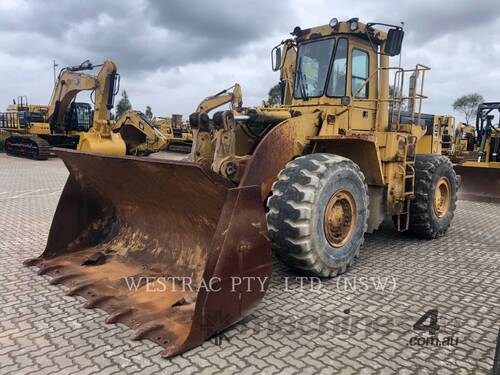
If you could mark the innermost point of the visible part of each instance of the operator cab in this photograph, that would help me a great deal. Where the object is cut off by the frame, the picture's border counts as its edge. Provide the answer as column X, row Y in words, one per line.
column 78, row 117
column 343, row 65
column 327, row 56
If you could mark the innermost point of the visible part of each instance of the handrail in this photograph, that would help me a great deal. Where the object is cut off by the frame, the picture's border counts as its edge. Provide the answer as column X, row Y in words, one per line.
column 9, row 120
column 398, row 98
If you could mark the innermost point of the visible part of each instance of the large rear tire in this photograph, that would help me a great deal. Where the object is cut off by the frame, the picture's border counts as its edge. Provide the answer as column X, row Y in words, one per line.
column 433, row 208
column 318, row 214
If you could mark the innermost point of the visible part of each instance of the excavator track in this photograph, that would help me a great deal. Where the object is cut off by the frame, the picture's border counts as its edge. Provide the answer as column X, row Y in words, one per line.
column 179, row 146
column 28, row 146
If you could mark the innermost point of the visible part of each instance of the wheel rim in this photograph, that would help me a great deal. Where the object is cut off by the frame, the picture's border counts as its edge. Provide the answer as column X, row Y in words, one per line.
column 340, row 218
column 442, row 197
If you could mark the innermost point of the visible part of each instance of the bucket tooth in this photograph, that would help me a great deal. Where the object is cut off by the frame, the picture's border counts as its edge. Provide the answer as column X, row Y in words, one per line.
column 119, row 314
column 59, row 279
column 94, row 301
column 78, row 288
column 144, row 329
column 30, row 262
column 50, row 267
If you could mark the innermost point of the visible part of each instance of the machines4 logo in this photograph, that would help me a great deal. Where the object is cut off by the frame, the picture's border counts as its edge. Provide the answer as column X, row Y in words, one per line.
column 429, row 323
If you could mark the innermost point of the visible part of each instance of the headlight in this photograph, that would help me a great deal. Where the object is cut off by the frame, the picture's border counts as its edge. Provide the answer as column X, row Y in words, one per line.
column 353, row 24
column 333, row 23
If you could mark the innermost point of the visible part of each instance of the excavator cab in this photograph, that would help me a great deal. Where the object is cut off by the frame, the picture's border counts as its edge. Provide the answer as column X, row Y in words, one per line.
column 78, row 117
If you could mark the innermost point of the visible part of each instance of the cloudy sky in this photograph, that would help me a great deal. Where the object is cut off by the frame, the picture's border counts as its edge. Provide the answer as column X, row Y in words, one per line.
column 171, row 54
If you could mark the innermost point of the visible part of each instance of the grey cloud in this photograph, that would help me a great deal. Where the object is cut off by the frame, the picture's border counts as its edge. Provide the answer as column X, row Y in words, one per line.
column 140, row 35
column 225, row 19
column 429, row 20
column 54, row 18
column 202, row 46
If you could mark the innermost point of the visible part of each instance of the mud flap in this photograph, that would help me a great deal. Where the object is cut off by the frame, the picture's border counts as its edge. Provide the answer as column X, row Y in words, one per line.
column 167, row 248
column 479, row 183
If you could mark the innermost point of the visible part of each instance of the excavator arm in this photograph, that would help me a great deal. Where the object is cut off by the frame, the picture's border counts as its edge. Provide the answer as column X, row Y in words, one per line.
column 230, row 95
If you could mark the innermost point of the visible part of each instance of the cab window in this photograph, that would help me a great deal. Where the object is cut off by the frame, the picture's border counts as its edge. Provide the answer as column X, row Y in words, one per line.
column 313, row 61
column 359, row 73
column 338, row 75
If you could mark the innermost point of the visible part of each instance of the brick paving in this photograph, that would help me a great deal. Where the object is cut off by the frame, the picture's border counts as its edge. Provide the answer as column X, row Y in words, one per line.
column 360, row 323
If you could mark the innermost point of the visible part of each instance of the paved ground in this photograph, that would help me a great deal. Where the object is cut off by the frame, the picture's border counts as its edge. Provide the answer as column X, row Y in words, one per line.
column 361, row 323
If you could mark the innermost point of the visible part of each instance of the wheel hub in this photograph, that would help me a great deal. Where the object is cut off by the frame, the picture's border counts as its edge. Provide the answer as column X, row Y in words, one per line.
column 442, row 195
column 340, row 218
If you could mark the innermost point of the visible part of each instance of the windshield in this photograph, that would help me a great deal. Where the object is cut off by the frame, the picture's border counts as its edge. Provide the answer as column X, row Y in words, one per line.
column 83, row 116
column 313, row 61
column 338, row 75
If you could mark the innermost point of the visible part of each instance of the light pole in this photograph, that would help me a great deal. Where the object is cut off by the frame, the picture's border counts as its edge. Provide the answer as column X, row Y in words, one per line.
column 54, row 66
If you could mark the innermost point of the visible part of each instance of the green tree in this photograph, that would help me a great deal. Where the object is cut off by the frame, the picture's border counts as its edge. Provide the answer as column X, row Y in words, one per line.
column 149, row 112
column 123, row 105
column 467, row 105
column 274, row 95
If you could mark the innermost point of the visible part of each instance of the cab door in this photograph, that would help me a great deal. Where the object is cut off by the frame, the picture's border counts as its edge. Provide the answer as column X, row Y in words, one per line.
column 362, row 84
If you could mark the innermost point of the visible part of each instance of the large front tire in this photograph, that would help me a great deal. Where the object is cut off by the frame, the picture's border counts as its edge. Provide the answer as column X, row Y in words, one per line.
column 433, row 208
column 318, row 214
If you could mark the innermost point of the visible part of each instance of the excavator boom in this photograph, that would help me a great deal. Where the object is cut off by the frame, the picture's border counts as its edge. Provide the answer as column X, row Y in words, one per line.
column 230, row 95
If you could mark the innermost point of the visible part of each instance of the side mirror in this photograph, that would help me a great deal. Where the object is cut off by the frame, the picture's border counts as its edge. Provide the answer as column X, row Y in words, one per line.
column 276, row 58
column 394, row 42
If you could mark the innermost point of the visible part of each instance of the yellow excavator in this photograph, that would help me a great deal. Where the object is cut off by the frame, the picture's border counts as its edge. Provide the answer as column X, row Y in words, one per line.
column 179, row 251
column 65, row 123
column 479, row 164
column 180, row 137
column 140, row 134
column 144, row 136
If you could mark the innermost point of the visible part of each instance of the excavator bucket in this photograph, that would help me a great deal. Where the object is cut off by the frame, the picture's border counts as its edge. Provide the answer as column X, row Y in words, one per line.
column 479, row 182
column 168, row 248
column 132, row 137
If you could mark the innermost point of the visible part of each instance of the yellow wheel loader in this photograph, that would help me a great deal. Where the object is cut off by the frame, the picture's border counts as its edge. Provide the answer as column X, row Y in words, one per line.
column 64, row 122
column 479, row 166
column 141, row 136
column 178, row 250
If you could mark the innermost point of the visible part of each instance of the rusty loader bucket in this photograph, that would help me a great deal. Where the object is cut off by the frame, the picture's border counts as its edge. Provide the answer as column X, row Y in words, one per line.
column 479, row 181
column 167, row 248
